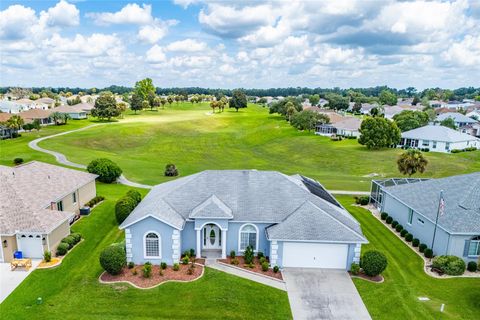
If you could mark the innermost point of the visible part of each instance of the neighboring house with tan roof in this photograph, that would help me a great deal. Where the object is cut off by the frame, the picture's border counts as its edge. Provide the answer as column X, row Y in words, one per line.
column 37, row 114
column 339, row 125
column 37, row 203
column 72, row 111
column 87, row 107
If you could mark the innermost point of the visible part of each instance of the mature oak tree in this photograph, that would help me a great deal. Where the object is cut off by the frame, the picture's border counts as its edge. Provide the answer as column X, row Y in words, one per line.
column 409, row 120
column 238, row 100
column 106, row 106
column 376, row 133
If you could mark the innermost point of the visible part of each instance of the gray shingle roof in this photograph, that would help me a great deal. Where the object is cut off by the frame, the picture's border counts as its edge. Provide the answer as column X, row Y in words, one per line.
column 437, row 133
column 308, row 223
column 462, row 201
column 457, row 117
column 246, row 195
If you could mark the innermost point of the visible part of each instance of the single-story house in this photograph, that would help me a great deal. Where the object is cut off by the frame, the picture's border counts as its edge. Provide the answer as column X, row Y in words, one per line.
column 474, row 114
column 37, row 203
column 72, row 111
column 471, row 129
column 37, row 114
column 438, row 139
column 87, row 107
column 414, row 203
column 291, row 219
column 459, row 119
column 339, row 125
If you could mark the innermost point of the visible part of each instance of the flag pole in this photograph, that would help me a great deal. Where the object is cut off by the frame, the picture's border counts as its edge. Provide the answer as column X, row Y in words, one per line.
column 436, row 220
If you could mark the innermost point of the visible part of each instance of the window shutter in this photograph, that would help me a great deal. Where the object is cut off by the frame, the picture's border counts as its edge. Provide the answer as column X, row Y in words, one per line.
column 465, row 249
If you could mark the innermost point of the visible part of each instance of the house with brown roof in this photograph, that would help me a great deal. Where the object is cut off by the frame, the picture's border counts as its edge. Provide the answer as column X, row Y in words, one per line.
column 43, row 116
column 72, row 111
column 38, row 201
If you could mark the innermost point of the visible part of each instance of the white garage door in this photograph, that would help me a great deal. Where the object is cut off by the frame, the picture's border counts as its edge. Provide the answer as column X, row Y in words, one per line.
column 315, row 255
column 30, row 245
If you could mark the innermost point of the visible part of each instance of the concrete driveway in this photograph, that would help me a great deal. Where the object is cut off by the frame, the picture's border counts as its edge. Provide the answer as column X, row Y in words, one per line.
column 323, row 294
column 9, row 280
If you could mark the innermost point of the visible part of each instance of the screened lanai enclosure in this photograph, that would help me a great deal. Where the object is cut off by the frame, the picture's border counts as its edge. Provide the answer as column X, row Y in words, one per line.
column 376, row 194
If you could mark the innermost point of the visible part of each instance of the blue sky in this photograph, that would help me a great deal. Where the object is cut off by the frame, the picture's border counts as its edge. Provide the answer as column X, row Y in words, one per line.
column 261, row 44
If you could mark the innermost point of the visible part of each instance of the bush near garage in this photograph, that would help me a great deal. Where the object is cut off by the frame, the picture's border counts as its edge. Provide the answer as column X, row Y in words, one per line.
column 472, row 266
column 451, row 265
column 62, row 249
column 373, row 263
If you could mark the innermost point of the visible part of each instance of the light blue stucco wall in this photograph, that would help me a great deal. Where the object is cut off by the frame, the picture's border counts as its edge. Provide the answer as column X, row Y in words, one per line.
column 444, row 242
column 351, row 255
column 233, row 237
column 138, row 231
column 280, row 254
column 188, row 236
column 222, row 223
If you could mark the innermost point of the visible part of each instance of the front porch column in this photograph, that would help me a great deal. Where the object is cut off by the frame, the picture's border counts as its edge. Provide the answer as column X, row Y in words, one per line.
column 224, row 244
column 199, row 240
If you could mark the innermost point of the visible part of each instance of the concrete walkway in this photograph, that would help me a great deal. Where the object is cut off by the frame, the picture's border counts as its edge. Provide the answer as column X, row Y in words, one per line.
column 278, row 284
column 323, row 294
column 61, row 158
column 9, row 280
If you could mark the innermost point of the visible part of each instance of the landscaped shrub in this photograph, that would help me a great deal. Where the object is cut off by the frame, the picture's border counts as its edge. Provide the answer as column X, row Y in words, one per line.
column 94, row 201
column 176, row 267
column 77, row 237
column 394, row 223
column 373, row 263
column 248, row 255
column 384, row 215
column 251, row 265
column 276, row 269
column 70, row 241
column 131, row 265
column 107, row 170
column 163, row 265
column 363, row 200
column 112, row 259
column 354, row 268
column 260, row 254
column 409, row 237
column 192, row 253
column 422, row 247
column 186, row 253
column 403, row 233
column 62, row 249
column 135, row 195
column 415, row 242
column 147, row 270
column 399, row 227
column 389, row 220
column 17, row 161
column 265, row 266
column 262, row 260
column 47, row 256
column 123, row 208
column 232, row 254
column 472, row 266
column 191, row 269
column 235, row 261
column 171, row 170
column 185, row 260
column 428, row 253
column 450, row 265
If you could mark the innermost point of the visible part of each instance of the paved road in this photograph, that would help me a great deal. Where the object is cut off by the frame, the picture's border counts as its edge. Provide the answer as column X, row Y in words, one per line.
column 323, row 294
column 61, row 158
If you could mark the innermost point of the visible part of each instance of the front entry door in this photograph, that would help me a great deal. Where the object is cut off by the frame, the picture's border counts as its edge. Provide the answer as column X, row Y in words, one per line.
column 211, row 237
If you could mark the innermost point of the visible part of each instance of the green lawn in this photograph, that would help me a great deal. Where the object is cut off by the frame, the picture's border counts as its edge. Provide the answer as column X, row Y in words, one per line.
column 405, row 280
column 252, row 138
column 72, row 290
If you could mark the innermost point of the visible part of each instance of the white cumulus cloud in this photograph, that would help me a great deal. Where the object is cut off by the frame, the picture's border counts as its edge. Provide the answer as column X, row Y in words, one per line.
column 132, row 13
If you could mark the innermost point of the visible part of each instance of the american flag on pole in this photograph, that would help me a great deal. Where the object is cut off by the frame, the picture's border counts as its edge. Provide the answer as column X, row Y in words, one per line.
column 441, row 207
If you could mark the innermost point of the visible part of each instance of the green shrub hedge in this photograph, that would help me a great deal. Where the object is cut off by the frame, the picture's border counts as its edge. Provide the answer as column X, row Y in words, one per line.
column 394, row 223
column 94, row 201
column 363, row 200
column 354, row 268
column 389, row 220
column 383, row 215
column 450, row 265
column 70, row 241
column 248, row 255
column 472, row 266
column 123, row 208
column 422, row 247
column 403, row 233
column 399, row 227
column 373, row 263
column 428, row 253
column 62, row 249
column 135, row 195
column 113, row 258
column 415, row 242
column 276, row 269
column 265, row 266
column 409, row 237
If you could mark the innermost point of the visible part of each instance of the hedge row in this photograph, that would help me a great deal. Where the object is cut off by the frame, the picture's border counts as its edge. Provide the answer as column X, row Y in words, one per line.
column 68, row 243
column 126, row 204
column 94, row 201
column 427, row 252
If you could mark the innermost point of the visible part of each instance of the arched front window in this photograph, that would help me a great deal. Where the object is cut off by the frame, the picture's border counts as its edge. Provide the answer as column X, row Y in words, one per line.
column 474, row 247
column 248, row 237
column 152, row 245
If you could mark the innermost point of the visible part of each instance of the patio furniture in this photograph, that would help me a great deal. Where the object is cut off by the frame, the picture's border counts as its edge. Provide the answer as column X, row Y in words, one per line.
column 23, row 263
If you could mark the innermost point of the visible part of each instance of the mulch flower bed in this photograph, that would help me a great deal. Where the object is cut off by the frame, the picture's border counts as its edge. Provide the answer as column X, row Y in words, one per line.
column 378, row 278
column 155, row 279
column 256, row 267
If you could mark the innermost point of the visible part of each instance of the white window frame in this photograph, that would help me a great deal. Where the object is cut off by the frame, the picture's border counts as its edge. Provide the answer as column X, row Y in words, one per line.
column 145, row 256
column 240, row 237
column 410, row 216
column 74, row 197
column 59, row 205
column 477, row 243
column 425, row 143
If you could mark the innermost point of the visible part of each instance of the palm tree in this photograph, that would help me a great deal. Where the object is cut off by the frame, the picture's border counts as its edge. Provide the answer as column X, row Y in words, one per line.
column 15, row 122
column 412, row 161
column 290, row 110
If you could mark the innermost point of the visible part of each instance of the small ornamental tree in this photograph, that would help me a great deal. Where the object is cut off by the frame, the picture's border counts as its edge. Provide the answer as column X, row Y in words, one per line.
column 248, row 255
column 107, row 170
column 373, row 263
column 113, row 259
column 171, row 170
column 411, row 162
